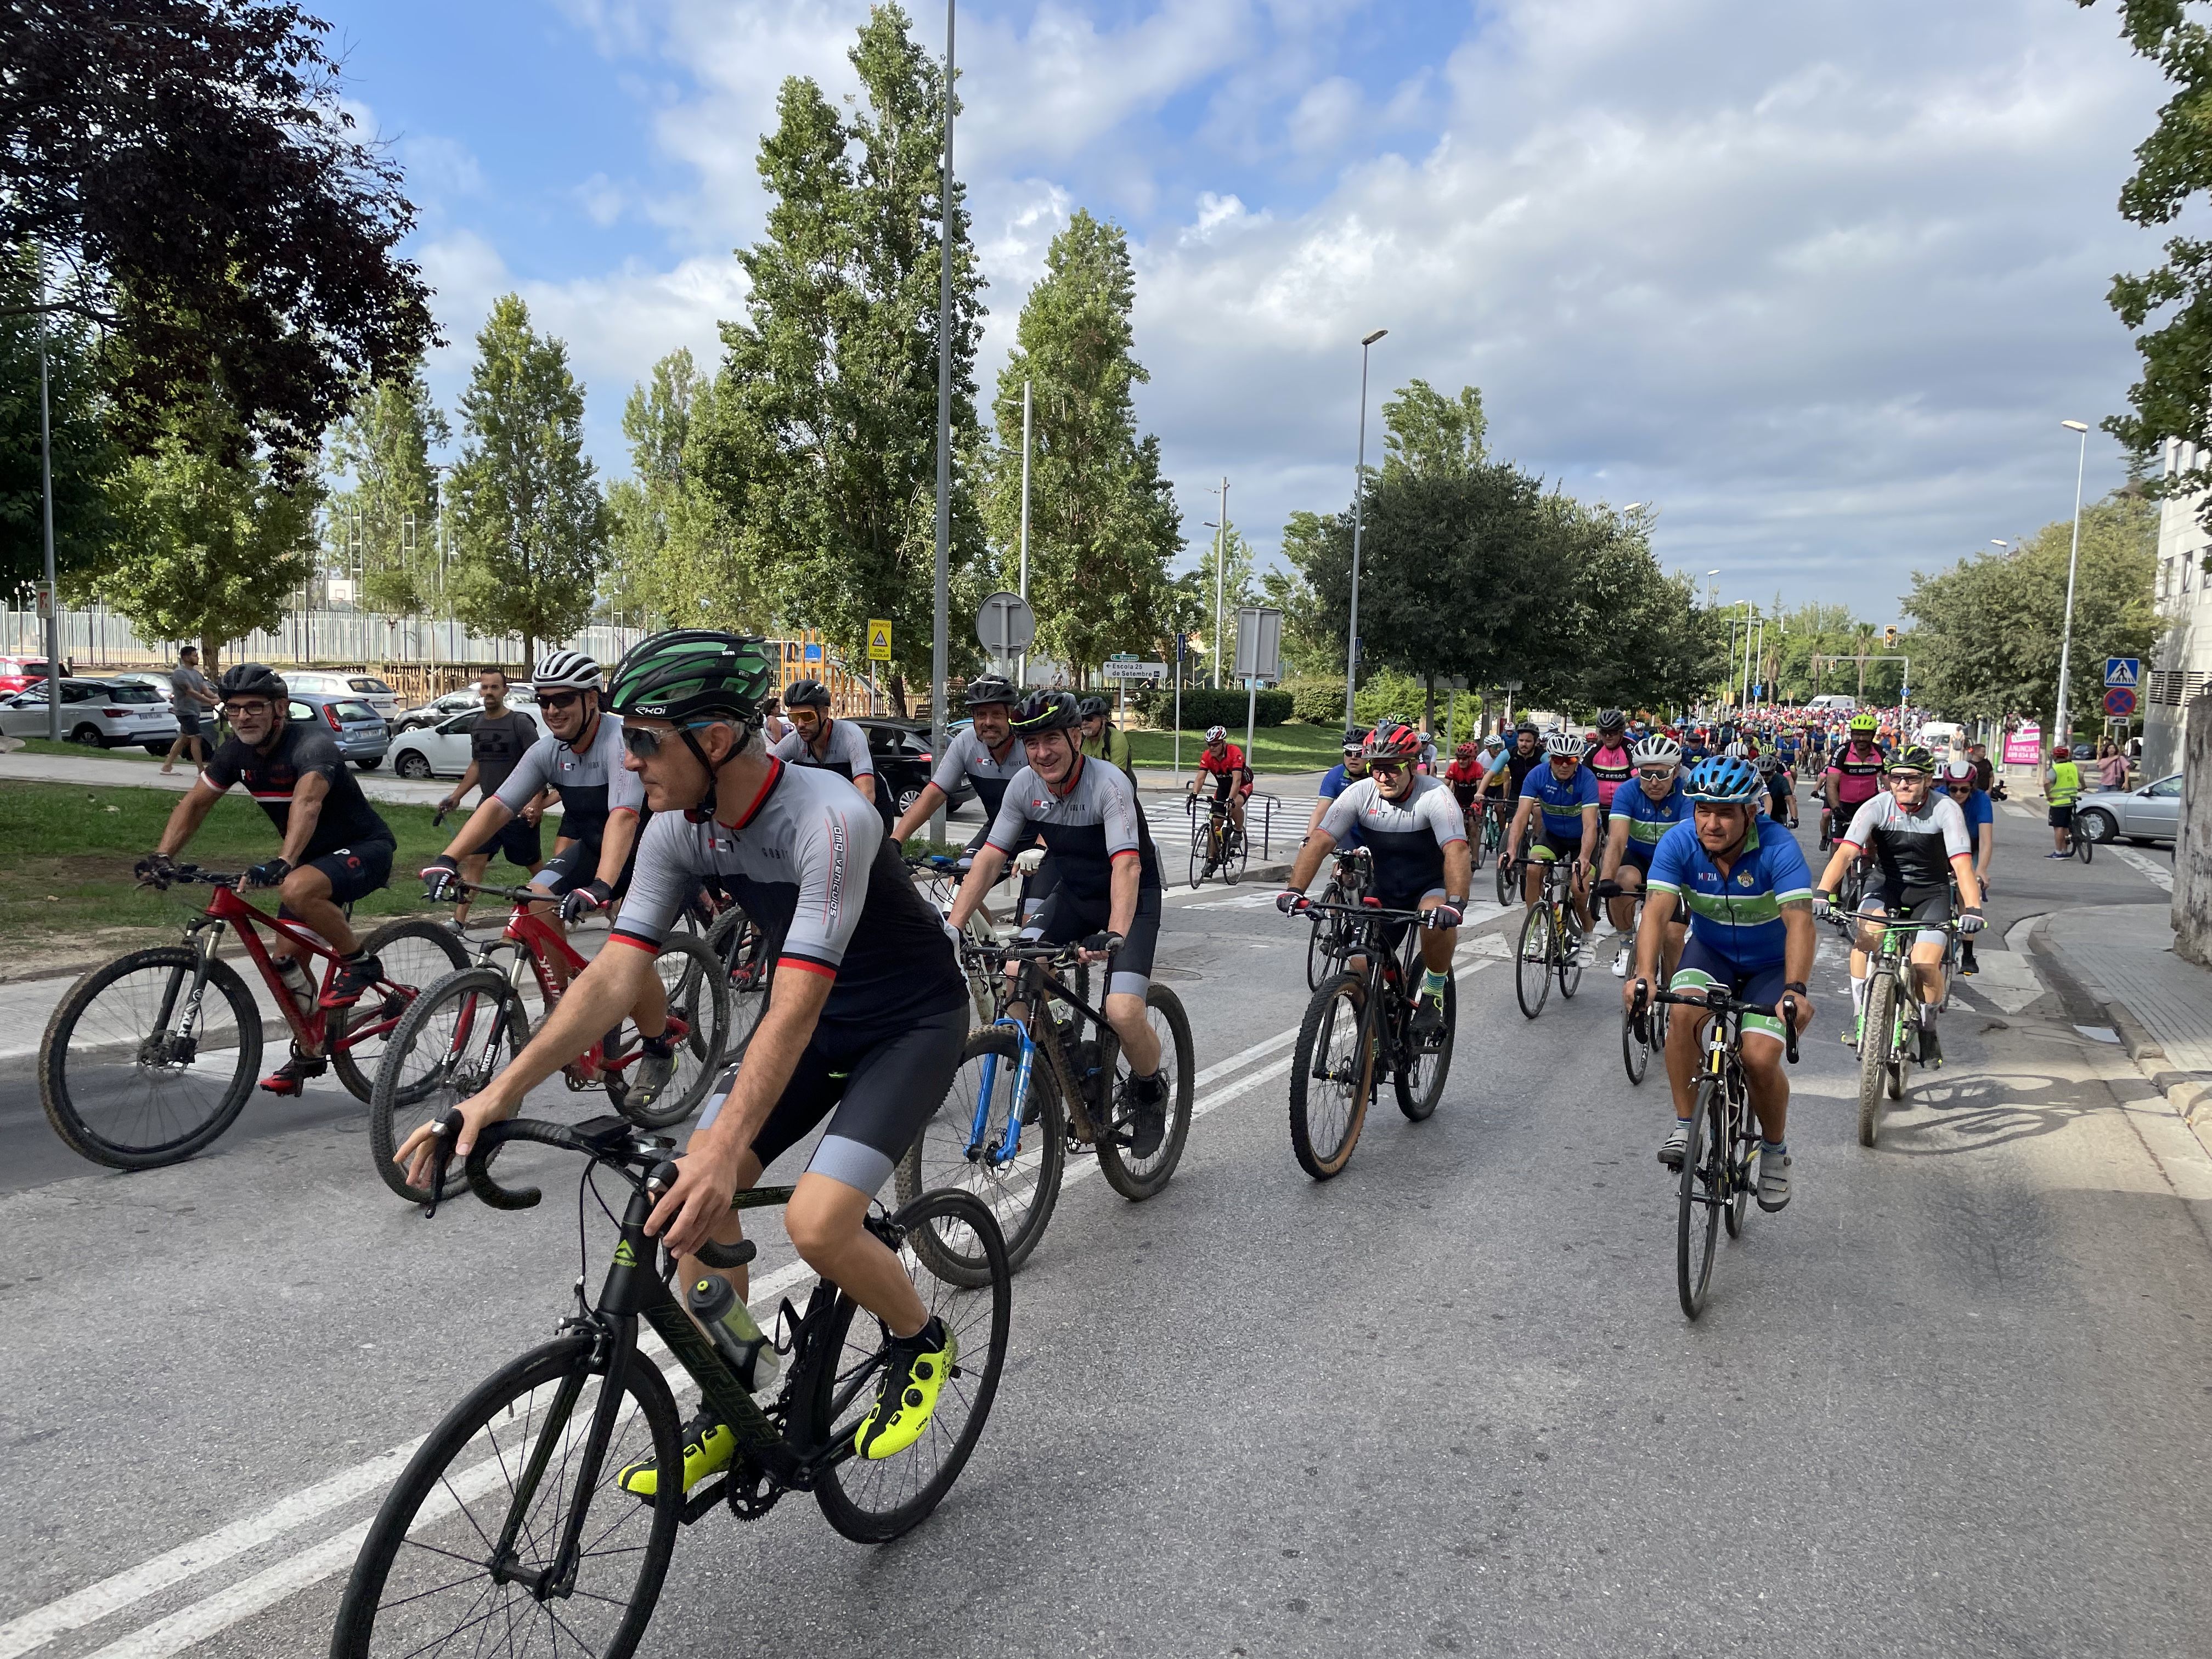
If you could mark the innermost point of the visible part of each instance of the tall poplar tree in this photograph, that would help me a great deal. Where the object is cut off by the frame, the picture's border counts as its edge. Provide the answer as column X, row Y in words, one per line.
column 1102, row 521
column 528, row 522
column 822, row 448
column 676, row 556
column 390, row 514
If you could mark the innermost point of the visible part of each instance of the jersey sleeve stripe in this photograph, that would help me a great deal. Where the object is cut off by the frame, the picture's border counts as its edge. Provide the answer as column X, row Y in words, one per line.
column 1846, row 841
column 1793, row 894
column 1125, row 853
column 1656, row 885
column 632, row 810
column 807, row 965
column 618, row 937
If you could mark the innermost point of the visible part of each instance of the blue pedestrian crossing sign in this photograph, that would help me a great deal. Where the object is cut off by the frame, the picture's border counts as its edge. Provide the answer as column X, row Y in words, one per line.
column 2123, row 670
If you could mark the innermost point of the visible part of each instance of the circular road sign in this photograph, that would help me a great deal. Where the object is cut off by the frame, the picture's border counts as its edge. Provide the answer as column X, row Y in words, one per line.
column 2119, row 701
column 1005, row 624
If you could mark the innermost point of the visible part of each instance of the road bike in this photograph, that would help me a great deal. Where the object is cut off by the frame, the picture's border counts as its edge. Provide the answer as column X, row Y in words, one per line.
column 146, row 1059
column 1218, row 848
column 1506, row 864
column 1720, row 1164
column 465, row 1029
column 1890, row 1026
column 1359, row 1027
column 1487, row 823
column 1551, row 944
column 506, row 1530
column 1333, row 934
column 2083, row 847
column 1030, row 1088
column 1639, row 1038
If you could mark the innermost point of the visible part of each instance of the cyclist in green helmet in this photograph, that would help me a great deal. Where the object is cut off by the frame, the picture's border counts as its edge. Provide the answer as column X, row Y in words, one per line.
column 866, row 1013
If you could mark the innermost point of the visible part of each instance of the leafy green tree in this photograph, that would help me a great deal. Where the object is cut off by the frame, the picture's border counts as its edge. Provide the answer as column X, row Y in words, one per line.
column 85, row 460
column 389, row 516
column 822, row 448
column 210, row 545
column 529, row 525
column 1989, row 627
column 1102, row 521
column 1432, row 436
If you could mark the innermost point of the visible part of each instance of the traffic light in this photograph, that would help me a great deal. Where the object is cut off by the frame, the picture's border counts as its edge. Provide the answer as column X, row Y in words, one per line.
column 1889, row 638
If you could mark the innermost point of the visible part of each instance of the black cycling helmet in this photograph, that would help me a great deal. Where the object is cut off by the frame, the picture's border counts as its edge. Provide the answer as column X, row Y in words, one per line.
column 1612, row 721
column 1913, row 758
column 807, row 694
column 1045, row 711
column 692, row 672
column 1093, row 708
column 1354, row 737
column 1526, row 725
column 251, row 679
column 991, row 688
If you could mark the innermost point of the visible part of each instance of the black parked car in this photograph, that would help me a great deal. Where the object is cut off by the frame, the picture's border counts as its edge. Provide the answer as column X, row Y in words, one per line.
column 904, row 762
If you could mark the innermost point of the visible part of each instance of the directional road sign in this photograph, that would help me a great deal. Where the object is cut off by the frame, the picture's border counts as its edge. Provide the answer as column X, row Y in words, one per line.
column 879, row 640
column 1005, row 624
column 2119, row 701
column 1122, row 669
column 2124, row 670
column 1259, row 643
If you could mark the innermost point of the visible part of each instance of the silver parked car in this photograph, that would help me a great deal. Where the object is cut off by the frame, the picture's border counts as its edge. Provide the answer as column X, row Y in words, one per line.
column 362, row 734
column 98, row 713
column 466, row 700
column 367, row 687
column 2150, row 813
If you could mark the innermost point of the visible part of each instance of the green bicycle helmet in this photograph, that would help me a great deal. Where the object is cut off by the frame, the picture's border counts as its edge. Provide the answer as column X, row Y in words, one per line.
column 1913, row 758
column 1866, row 723
column 693, row 672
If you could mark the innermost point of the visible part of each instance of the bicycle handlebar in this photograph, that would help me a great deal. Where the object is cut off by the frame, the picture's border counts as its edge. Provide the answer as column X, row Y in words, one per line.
column 186, row 874
column 1714, row 999
column 1374, row 912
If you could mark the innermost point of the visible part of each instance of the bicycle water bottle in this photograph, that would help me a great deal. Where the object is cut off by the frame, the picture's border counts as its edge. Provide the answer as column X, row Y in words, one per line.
column 745, row 1347
column 302, row 988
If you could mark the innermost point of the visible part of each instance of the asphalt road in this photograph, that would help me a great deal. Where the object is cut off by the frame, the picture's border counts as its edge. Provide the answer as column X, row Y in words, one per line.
column 1953, row 1399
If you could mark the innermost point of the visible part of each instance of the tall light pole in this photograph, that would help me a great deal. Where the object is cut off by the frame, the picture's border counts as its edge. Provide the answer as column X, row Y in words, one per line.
column 2059, row 733
column 46, row 484
column 1220, row 566
column 1359, row 491
column 1022, row 673
column 937, row 643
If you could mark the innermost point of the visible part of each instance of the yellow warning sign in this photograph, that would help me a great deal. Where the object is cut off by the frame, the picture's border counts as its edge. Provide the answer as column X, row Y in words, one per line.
column 879, row 641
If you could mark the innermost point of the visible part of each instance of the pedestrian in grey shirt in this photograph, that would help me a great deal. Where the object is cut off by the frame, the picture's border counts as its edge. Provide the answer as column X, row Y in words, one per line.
column 189, row 696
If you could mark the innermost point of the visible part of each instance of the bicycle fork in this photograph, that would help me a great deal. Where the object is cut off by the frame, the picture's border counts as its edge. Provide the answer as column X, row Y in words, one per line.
column 182, row 1040
column 1009, row 1144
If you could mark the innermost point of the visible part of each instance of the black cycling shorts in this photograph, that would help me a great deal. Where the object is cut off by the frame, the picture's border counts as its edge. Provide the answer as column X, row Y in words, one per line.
column 577, row 864
column 1567, row 848
column 2061, row 815
column 355, row 872
column 876, row 1097
column 1063, row 919
column 1928, row 905
column 521, row 840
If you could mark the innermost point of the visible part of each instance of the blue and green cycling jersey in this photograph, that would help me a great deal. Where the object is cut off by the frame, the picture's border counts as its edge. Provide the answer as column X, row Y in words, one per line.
column 1648, row 820
column 1737, row 915
column 1561, row 803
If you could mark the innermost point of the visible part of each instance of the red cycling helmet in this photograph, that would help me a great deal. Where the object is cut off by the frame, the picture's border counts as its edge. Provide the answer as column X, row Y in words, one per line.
column 1467, row 750
column 1392, row 741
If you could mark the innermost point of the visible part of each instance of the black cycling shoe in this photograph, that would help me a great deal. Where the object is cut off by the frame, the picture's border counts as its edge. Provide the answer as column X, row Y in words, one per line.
column 1968, row 964
column 1931, row 1050
column 1428, row 1017
column 1144, row 1113
column 355, row 974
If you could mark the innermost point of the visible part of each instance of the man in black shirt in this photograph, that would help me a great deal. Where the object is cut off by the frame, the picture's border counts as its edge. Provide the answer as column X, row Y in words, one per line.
column 497, row 737
column 335, row 849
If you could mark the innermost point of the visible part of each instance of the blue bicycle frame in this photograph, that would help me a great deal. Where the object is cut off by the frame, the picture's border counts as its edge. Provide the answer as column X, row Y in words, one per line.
column 1009, row 1143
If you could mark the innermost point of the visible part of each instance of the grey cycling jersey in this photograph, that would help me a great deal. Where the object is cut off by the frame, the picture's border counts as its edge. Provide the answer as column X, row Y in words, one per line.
column 848, row 750
column 965, row 757
column 1407, row 838
column 1093, row 822
column 807, row 860
column 1914, row 849
column 592, row 783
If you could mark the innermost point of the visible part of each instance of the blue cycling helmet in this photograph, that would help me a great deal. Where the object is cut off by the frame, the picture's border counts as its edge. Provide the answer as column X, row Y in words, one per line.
column 1724, row 779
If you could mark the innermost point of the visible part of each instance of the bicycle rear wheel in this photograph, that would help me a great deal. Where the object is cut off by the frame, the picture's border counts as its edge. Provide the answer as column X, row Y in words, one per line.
column 698, row 991
column 1137, row 1179
column 869, row 1500
column 118, row 1084
column 1532, row 966
column 1020, row 1192
column 1235, row 856
column 425, row 1576
column 1201, row 866
column 1570, row 951
column 1476, row 845
column 1876, row 1025
column 414, row 953
column 451, row 1043
column 1698, row 1212
column 1331, row 1077
column 2084, row 848
column 1635, row 1055
column 1743, row 1162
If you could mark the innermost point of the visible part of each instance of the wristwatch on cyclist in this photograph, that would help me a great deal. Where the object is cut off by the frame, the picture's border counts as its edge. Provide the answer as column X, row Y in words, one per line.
column 1798, row 988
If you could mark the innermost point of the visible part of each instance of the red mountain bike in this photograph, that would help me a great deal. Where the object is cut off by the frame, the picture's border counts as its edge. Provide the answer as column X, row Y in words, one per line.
column 148, row 1059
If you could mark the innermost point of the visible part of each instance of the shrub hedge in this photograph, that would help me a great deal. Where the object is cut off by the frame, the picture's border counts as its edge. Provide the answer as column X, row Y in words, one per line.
column 1202, row 706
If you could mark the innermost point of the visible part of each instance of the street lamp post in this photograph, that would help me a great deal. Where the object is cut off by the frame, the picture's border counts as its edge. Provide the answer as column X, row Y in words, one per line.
column 2059, row 733
column 1359, row 491
column 46, row 500
column 938, row 624
column 1022, row 673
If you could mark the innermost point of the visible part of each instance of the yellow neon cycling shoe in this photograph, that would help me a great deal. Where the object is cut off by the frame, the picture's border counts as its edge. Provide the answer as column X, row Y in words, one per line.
column 915, row 1370
column 708, row 1447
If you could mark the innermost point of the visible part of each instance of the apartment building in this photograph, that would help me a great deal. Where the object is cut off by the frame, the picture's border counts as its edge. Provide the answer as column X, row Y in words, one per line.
column 2181, row 663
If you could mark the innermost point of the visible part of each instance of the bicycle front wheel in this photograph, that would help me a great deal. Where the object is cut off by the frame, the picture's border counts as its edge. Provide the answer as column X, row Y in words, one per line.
column 1698, row 1212
column 1200, row 866
column 453, row 1039
column 510, row 1464
column 741, row 949
column 125, row 1083
column 1570, row 951
column 963, row 1148
column 871, row 1500
column 415, row 954
column 1332, row 1075
column 1137, row 1178
column 1532, row 967
column 2084, row 848
column 1420, row 1082
column 1876, row 1026
column 1505, row 879
column 1634, row 1055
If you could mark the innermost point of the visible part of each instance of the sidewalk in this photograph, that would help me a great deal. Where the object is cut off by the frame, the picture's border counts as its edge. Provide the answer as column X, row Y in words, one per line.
column 2161, row 1005
column 104, row 773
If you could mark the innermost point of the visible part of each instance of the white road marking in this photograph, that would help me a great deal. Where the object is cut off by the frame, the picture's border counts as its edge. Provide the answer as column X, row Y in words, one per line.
column 2160, row 874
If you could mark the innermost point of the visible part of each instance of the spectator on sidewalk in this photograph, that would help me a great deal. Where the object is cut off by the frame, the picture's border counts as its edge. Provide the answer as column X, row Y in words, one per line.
column 189, row 696
column 2111, row 766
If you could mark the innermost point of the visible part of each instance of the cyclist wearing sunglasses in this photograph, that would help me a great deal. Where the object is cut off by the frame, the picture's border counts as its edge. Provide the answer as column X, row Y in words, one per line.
column 1643, row 812
column 815, row 740
column 866, row 1013
column 1561, row 798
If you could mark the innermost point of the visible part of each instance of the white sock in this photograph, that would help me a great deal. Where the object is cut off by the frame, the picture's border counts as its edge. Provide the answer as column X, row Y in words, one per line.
column 1858, row 996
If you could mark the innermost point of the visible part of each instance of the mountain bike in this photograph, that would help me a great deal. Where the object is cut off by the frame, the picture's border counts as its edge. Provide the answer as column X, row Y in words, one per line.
column 1333, row 934
column 1551, row 944
column 942, row 876
column 1357, row 1027
column 1506, row 863
column 1217, row 848
column 462, row 1031
column 1891, row 1024
column 1039, row 1086
column 506, row 1528
column 150, row 1057
column 1487, row 821
column 1720, row 1164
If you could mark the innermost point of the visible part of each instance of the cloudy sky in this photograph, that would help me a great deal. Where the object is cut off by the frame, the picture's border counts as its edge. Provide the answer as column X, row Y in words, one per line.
column 1818, row 278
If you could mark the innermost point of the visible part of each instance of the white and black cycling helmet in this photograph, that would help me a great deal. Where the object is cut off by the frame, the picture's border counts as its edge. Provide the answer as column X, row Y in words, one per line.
column 1960, row 770
column 1217, row 734
column 565, row 671
column 1657, row 749
column 1736, row 751
column 1568, row 745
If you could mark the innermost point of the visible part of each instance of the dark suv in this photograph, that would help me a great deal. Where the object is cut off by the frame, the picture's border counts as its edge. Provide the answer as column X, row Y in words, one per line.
column 904, row 762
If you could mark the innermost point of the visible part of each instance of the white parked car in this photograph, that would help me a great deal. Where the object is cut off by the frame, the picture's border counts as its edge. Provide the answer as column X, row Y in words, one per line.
column 98, row 713
column 367, row 687
column 458, row 702
column 435, row 751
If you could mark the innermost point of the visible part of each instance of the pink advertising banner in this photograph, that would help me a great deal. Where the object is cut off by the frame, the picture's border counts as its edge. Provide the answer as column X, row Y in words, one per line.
column 2024, row 747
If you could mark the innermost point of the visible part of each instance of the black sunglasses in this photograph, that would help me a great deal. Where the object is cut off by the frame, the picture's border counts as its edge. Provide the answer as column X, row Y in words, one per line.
column 645, row 741
column 559, row 699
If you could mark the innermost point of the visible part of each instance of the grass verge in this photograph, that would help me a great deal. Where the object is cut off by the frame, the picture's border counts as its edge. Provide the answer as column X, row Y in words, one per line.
column 1287, row 748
